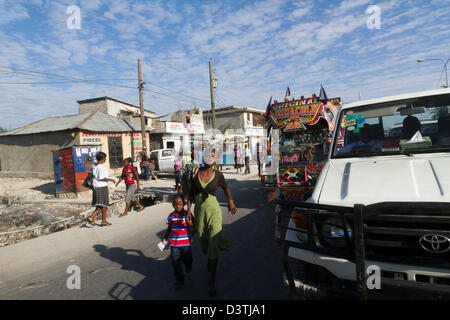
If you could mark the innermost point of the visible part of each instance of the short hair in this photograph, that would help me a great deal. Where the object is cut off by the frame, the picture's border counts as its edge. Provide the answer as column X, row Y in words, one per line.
column 129, row 160
column 100, row 156
column 178, row 196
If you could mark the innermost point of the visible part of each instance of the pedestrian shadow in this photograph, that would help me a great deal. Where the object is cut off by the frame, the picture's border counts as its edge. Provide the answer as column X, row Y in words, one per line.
column 156, row 272
column 129, row 259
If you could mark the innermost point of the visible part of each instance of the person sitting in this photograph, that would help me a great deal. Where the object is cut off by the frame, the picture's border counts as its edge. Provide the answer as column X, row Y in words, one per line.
column 410, row 127
column 366, row 141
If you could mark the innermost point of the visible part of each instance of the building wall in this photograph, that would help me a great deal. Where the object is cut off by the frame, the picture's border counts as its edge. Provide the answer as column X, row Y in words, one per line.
column 234, row 120
column 130, row 142
column 93, row 106
column 113, row 108
column 224, row 121
column 156, row 141
column 196, row 115
column 32, row 152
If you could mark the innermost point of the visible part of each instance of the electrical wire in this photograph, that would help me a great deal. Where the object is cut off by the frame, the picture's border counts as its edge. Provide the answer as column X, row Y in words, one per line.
column 65, row 82
column 182, row 94
column 72, row 79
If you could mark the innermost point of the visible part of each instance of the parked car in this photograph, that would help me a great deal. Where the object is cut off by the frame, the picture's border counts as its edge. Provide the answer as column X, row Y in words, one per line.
column 380, row 203
column 164, row 159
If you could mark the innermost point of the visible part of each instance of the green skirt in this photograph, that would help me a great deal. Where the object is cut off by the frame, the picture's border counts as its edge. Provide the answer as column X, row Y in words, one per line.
column 208, row 224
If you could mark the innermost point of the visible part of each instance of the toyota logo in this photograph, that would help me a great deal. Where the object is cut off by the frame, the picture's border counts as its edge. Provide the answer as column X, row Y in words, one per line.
column 435, row 243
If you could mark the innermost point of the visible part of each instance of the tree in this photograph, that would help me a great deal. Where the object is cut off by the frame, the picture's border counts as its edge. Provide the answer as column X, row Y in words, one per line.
column 2, row 130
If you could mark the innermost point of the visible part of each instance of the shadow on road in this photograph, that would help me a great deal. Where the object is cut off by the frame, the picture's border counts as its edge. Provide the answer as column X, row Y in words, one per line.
column 252, row 269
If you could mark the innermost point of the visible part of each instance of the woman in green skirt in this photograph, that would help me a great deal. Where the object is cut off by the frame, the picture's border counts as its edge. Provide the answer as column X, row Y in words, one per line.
column 208, row 214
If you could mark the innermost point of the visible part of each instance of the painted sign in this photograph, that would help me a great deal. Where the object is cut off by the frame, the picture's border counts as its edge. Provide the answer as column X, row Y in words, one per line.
column 254, row 131
column 294, row 115
column 186, row 128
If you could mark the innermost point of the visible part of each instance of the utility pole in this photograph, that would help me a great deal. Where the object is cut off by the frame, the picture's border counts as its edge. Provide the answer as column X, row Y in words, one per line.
column 141, row 103
column 211, row 86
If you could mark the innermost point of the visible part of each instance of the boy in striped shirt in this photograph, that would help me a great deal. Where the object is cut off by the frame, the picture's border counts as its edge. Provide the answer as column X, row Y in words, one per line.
column 178, row 233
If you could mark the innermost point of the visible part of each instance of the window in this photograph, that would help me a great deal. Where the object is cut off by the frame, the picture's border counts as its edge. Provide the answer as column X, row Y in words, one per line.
column 115, row 152
column 385, row 130
column 167, row 153
column 170, row 145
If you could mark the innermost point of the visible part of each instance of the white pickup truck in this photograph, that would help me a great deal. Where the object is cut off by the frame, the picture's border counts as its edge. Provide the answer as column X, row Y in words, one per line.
column 380, row 208
column 164, row 160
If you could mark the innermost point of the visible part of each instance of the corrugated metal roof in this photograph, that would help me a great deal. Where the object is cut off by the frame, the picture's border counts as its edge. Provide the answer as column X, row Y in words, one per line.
column 94, row 121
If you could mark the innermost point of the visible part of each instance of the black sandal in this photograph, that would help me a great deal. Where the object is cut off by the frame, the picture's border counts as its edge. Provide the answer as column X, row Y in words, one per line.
column 90, row 221
column 105, row 224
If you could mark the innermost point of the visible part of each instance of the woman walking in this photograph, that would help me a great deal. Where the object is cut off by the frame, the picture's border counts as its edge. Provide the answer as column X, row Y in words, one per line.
column 208, row 214
column 100, row 195
column 237, row 159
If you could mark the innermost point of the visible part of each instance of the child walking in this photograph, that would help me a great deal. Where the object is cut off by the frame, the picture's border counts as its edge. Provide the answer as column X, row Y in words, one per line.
column 129, row 173
column 180, row 244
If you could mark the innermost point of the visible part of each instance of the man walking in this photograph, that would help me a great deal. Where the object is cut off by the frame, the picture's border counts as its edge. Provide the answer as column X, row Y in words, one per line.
column 248, row 156
column 145, row 163
column 258, row 160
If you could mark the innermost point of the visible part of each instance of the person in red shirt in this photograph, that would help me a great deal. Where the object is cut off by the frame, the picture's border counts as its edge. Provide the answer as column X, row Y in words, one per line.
column 129, row 174
column 179, row 233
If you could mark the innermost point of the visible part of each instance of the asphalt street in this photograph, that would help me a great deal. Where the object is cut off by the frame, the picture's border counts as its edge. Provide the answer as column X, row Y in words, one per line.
column 123, row 262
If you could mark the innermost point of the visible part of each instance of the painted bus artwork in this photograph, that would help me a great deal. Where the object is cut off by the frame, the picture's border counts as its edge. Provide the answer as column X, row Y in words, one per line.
column 300, row 132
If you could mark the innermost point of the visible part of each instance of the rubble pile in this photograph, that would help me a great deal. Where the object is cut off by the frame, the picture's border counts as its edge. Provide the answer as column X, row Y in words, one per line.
column 38, row 218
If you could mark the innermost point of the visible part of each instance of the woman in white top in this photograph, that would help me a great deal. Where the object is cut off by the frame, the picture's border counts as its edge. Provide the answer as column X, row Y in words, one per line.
column 100, row 195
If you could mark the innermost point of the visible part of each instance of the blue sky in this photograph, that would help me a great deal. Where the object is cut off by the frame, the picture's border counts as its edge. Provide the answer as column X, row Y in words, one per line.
column 258, row 48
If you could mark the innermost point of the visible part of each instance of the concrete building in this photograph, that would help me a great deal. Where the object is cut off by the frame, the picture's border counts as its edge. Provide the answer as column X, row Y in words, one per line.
column 240, row 124
column 27, row 151
column 194, row 115
column 234, row 117
column 175, row 135
column 119, row 109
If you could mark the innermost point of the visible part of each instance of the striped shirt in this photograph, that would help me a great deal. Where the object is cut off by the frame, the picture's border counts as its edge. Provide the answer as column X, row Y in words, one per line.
column 179, row 236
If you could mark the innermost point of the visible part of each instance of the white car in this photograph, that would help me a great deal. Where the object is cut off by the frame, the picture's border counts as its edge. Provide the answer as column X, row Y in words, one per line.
column 379, row 217
column 164, row 160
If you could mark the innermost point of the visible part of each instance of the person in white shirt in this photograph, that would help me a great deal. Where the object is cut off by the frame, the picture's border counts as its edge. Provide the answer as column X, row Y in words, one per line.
column 248, row 156
column 100, row 195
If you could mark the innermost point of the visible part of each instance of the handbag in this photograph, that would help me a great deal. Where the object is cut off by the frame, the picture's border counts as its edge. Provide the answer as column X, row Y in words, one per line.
column 89, row 181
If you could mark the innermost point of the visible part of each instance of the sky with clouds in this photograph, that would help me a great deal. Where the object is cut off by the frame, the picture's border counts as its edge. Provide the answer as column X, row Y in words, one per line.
column 258, row 49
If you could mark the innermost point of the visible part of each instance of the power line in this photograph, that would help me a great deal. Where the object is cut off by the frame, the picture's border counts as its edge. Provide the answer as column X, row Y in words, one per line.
column 58, row 77
column 34, row 73
column 65, row 82
column 182, row 94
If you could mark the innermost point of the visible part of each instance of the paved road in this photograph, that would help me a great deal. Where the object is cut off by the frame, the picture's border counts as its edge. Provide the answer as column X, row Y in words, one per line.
column 123, row 262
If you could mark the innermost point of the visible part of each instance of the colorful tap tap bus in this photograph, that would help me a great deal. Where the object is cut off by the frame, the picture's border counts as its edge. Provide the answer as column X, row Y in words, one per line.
column 299, row 133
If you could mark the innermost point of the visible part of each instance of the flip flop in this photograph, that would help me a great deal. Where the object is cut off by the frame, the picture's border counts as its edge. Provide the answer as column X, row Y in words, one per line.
column 123, row 215
column 105, row 224
column 141, row 209
column 90, row 222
